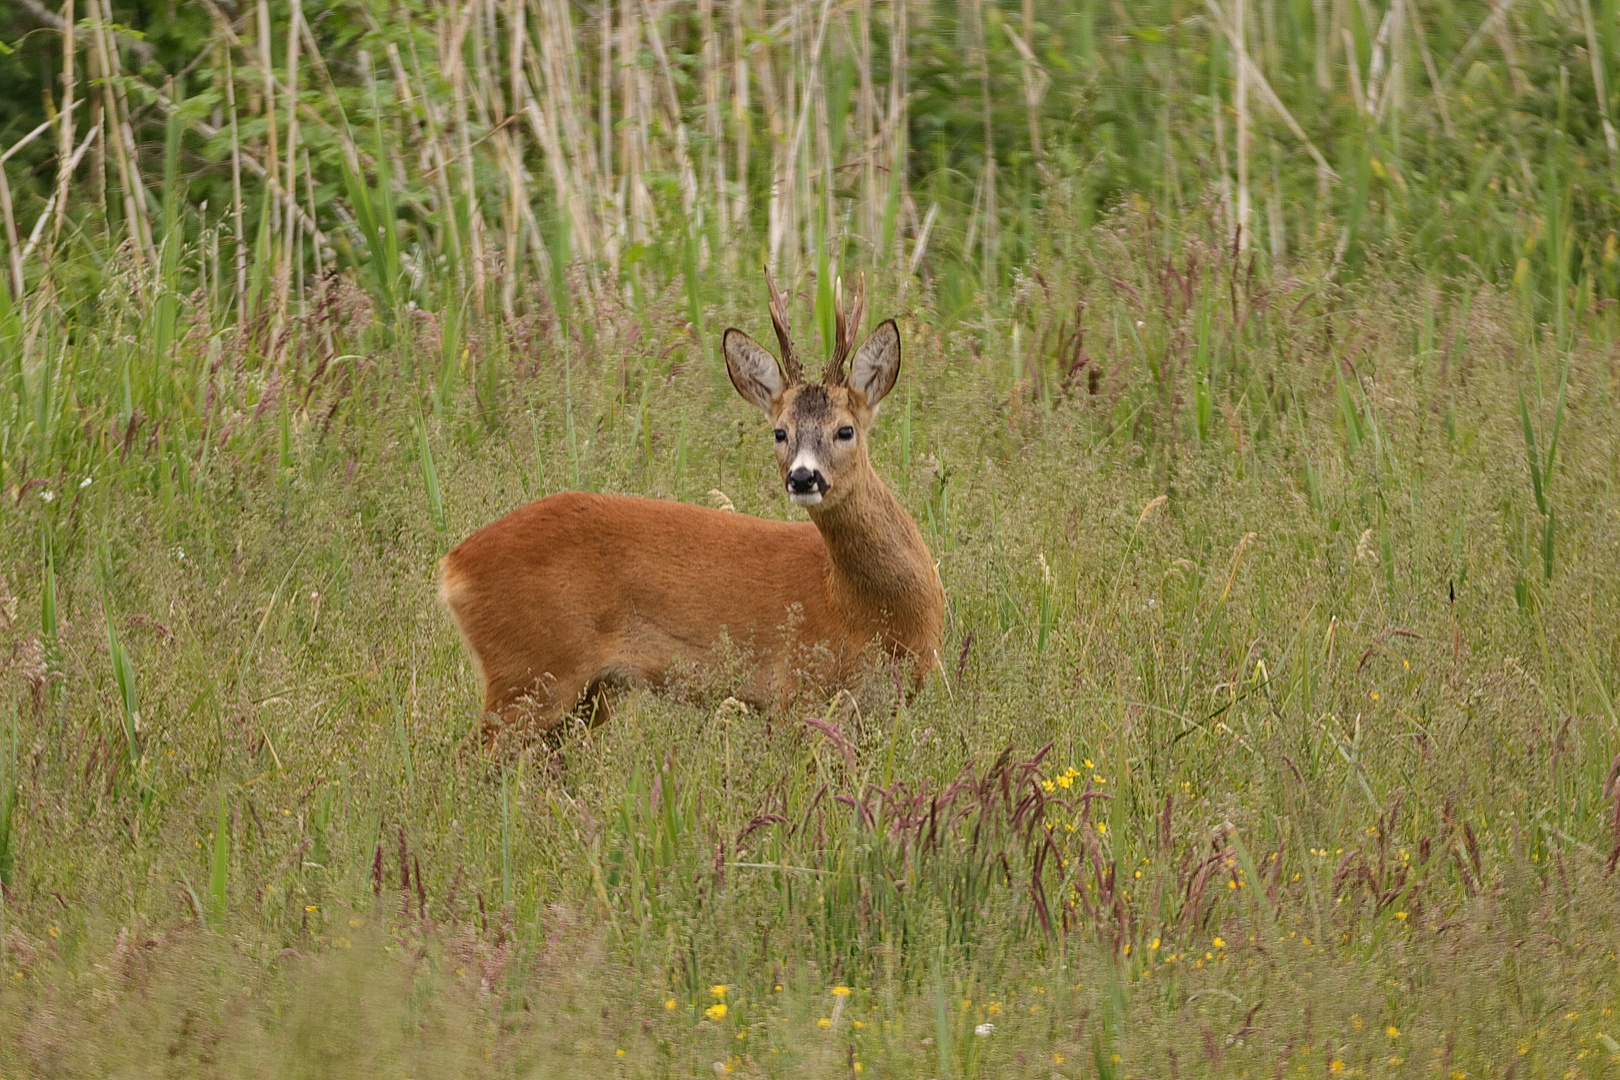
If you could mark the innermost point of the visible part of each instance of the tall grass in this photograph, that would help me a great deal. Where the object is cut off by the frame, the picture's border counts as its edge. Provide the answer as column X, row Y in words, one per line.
column 1251, row 673
column 501, row 139
column 1253, row 747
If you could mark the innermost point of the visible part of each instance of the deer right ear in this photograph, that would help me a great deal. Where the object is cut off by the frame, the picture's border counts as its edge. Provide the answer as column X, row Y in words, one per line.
column 877, row 364
column 754, row 372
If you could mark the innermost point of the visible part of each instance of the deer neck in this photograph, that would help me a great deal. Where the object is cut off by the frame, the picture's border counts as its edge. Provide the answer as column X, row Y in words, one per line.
column 880, row 569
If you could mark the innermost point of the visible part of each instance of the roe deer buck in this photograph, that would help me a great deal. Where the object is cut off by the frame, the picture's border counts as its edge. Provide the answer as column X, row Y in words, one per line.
column 574, row 593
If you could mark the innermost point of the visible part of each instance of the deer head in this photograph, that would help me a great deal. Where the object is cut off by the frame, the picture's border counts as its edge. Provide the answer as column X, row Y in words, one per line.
column 820, row 427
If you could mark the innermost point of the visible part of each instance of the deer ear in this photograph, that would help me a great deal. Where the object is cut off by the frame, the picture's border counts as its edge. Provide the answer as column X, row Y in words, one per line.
column 877, row 364
column 754, row 372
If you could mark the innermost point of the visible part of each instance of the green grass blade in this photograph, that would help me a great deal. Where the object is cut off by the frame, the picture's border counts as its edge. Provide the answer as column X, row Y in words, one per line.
column 219, row 867
column 430, row 474
column 47, row 596
column 123, row 668
column 8, row 800
column 1531, row 455
column 506, row 839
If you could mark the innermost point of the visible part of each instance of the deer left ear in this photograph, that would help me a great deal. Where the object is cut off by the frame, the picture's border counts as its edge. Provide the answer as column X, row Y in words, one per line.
column 877, row 364
column 753, row 371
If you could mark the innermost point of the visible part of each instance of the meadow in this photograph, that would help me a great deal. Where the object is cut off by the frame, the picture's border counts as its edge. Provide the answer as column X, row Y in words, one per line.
column 1258, row 403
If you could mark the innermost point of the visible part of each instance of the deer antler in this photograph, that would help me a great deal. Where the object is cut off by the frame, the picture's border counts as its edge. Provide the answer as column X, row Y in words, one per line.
column 779, row 320
column 847, row 328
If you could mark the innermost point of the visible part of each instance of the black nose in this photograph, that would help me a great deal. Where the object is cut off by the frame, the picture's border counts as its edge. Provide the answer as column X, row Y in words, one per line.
column 802, row 481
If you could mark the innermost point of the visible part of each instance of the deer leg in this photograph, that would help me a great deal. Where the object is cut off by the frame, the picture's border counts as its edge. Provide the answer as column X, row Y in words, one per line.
column 519, row 711
column 596, row 709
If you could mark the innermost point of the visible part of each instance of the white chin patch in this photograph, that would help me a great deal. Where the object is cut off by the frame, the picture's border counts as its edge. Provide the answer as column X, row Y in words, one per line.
column 807, row 498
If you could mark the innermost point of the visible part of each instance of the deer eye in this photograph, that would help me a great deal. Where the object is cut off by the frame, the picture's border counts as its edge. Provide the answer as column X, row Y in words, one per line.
column 846, row 433
column 781, row 436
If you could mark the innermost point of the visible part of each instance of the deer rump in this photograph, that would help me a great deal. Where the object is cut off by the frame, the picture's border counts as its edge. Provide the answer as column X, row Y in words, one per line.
column 577, row 591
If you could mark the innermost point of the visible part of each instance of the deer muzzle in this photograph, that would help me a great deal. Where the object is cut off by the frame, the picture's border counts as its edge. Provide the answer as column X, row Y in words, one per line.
column 806, row 486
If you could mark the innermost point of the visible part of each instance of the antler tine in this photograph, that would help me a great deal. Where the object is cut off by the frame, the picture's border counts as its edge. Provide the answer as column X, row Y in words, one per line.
column 834, row 374
column 779, row 320
column 848, row 325
column 857, row 311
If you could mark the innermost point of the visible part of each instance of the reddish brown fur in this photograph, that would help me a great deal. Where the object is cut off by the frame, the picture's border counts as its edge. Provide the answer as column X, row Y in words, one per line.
column 576, row 592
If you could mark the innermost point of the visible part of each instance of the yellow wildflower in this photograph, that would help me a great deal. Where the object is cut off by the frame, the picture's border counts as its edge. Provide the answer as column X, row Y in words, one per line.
column 1392, row 1031
column 824, row 1022
column 1219, row 942
column 840, row 991
column 670, row 1004
column 718, row 991
column 716, row 1011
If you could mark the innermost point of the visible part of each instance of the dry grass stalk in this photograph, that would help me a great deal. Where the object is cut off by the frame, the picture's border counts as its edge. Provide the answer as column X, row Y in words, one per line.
column 18, row 292
column 798, row 172
column 272, row 154
column 123, row 138
column 1437, row 85
column 290, row 218
column 604, row 100
column 238, row 214
column 1240, row 103
column 1493, row 25
column 740, row 125
column 453, row 28
column 1035, row 77
column 54, row 207
column 1594, row 53
column 673, row 113
column 981, row 52
column 1257, row 81
column 715, row 150
column 867, row 119
column 775, row 126
column 1321, row 23
column 65, row 140
column 1219, row 115
column 510, row 156
column 898, row 118
column 564, row 89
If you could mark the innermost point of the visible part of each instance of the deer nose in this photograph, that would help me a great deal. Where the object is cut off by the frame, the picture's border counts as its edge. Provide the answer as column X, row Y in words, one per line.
column 803, row 481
